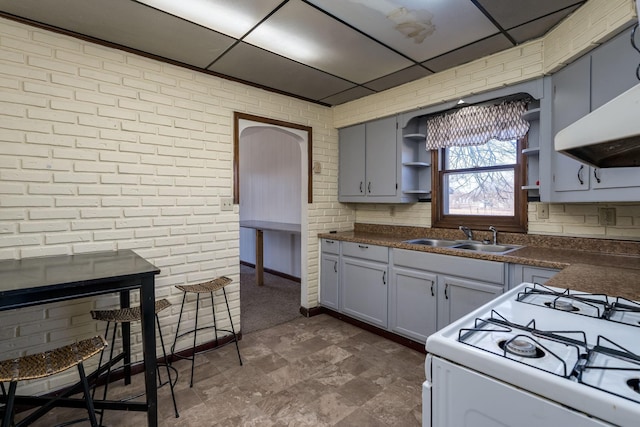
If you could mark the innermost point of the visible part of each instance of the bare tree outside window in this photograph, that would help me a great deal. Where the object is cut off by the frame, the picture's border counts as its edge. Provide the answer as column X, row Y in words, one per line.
column 479, row 179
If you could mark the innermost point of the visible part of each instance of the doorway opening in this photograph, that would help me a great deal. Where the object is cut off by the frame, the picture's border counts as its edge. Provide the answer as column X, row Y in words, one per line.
column 271, row 189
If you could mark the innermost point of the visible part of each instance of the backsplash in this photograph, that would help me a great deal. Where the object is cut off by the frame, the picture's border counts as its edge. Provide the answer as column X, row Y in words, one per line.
column 576, row 220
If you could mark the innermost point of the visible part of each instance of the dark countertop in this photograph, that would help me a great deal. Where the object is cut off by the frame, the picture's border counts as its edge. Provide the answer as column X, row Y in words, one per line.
column 616, row 274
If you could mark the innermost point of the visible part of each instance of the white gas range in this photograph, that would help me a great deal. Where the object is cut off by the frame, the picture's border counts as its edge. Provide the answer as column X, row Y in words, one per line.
column 536, row 356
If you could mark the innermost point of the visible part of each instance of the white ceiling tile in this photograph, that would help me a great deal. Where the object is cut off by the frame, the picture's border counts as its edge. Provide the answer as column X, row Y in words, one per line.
column 420, row 29
column 303, row 33
column 469, row 53
column 256, row 65
column 398, row 78
column 510, row 13
column 233, row 18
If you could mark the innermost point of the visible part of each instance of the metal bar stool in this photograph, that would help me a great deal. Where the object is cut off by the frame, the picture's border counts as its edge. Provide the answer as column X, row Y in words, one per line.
column 45, row 364
column 128, row 315
column 207, row 287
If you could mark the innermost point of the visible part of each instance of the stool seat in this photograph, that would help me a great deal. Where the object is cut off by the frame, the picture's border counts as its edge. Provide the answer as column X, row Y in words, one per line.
column 129, row 314
column 43, row 365
column 206, row 287
column 50, row 362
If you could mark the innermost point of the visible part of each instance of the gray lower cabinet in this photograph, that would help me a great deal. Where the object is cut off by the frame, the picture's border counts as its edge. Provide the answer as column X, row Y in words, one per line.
column 413, row 303
column 329, row 274
column 526, row 273
column 364, row 282
column 439, row 288
column 461, row 296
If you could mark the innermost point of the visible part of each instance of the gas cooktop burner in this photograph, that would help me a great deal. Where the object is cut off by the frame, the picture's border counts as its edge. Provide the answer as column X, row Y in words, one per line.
column 521, row 347
column 562, row 305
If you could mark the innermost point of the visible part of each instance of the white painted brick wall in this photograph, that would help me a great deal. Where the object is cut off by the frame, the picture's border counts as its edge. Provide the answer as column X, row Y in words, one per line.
column 104, row 150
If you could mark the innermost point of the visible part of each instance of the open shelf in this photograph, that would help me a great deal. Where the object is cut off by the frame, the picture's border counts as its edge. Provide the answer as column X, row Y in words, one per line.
column 530, row 115
column 531, row 151
column 417, row 136
column 530, row 187
column 417, row 164
column 416, row 191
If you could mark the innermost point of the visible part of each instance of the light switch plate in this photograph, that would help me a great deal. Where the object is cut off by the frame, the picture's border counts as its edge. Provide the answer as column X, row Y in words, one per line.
column 607, row 216
column 543, row 211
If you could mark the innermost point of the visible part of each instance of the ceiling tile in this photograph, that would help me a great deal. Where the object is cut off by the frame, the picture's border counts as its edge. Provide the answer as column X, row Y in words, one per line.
column 538, row 27
column 347, row 95
column 419, row 29
column 469, row 53
column 247, row 62
column 511, row 13
column 307, row 35
column 129, row 24
column 233, row 18
column 398, row 78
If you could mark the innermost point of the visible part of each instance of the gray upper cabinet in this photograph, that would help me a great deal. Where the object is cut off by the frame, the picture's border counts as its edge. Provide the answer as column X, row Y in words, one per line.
column 571, row 101
column 368, row 162
column 578, row 89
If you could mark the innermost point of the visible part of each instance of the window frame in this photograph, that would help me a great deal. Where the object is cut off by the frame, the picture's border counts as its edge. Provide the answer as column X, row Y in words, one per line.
column 516, row 223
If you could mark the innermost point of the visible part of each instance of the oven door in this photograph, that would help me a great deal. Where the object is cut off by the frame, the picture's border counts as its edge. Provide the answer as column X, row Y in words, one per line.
column 460, row 397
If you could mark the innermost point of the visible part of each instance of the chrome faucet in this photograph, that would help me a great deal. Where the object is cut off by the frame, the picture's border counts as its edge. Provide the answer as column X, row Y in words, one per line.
column 495, row 234
column 467, row 232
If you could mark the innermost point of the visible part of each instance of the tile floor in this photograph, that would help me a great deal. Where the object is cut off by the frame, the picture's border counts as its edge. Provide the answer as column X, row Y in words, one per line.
column 316, row 371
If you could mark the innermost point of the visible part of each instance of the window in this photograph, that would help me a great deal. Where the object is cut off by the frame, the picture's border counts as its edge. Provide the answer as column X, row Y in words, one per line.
column 479, row 184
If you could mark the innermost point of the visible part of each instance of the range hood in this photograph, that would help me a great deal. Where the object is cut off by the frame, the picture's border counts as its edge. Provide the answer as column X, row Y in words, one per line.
column 609, row 136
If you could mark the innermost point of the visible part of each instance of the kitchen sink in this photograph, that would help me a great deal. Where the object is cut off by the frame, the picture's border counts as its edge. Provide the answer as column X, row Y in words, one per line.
column 465, row 245
column 433, row 242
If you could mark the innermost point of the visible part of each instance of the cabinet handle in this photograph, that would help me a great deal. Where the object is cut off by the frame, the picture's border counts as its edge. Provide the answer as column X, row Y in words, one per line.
column 363, row 246
column 330, row 241
column 595, row 175
column 361, row 186
column 369, row 187
column 433, row 294
column 580, row 175
column 335, row 266
column 446, row 291
column 384, row 277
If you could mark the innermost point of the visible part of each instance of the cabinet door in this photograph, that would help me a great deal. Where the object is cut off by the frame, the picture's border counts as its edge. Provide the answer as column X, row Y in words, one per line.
column 329, row 277
column 412, row 303
column 613, row 71
column 458, row 297
column 381, row 156
column 363, row 286
column 352, row 161
column 571, row 101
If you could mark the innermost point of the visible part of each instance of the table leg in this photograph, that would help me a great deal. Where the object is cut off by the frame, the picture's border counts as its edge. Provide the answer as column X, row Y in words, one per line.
column 147, row 303
column 125, row 302
column 259, row 257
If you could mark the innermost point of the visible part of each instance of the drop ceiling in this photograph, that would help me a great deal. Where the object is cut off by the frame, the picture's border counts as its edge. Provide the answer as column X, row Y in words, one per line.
column 325, row 51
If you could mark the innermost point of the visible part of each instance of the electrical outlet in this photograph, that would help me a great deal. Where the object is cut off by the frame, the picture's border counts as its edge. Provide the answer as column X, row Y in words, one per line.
column 607, row 216
column 226, row 204
column 543, row 211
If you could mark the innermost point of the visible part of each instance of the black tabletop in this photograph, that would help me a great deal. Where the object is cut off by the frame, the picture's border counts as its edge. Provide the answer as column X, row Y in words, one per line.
column 31, row 281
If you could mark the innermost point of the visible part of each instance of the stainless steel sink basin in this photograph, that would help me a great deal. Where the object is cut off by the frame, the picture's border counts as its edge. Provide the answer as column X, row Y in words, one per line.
column 465, row 245
column 433, row 242
column 481, row 247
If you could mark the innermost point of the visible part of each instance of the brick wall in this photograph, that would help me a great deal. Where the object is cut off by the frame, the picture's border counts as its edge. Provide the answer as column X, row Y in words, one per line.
column 103, row 150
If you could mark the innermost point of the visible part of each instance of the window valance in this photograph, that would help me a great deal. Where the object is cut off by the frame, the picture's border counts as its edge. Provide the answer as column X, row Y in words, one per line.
column 476, row 125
